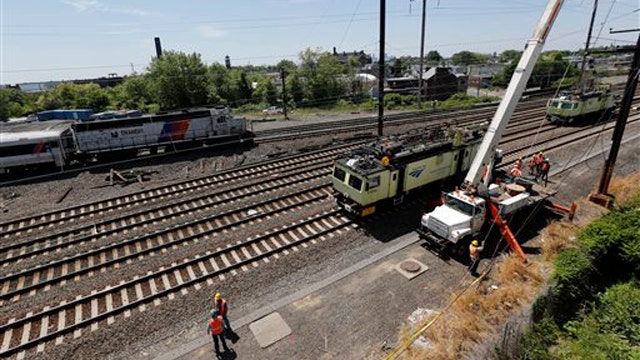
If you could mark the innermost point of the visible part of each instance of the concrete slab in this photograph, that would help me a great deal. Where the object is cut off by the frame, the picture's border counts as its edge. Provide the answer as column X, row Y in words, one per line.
column 411, row 268
column 269, row 329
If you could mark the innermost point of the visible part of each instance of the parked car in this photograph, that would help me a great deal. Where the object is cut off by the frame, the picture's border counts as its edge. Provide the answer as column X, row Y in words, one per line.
column 272, row 110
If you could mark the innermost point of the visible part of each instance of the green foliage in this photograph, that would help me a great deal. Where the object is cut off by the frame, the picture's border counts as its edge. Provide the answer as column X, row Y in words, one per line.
column 607, row 262
column 135, row 93
column 14, row 103
column 433, row 57
column 619, row 312
column 464, row 100
column 74, row 96
column 468, row 58
column 288, row 66
column 392, row 101
column 400, row 66
column 549, row 69
column 536, row 343
column 509, row 56
column 585, row 342
column 572, row 284
column 323, row 82
column 179, row 80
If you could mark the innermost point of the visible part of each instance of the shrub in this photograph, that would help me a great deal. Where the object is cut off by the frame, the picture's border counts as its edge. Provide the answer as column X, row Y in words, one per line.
column 619, row 312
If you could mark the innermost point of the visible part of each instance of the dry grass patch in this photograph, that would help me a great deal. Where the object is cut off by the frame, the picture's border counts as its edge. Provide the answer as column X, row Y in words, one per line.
column 556, row 237
column 480, row 310
column 625, row 189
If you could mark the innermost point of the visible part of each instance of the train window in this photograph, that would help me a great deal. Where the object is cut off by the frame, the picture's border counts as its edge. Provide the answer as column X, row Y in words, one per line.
column 355, row 182
column 554, row 104
column 395, row 177
column 567, row 105
column 373, row 182
column 339, row 174
column 222, row 120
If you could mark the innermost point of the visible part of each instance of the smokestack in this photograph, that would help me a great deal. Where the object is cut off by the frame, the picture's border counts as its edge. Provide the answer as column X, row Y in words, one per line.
column 227, row 62
column 158, row 47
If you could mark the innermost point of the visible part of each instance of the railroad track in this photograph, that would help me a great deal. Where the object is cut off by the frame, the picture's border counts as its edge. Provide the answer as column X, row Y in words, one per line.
column 47, row 221
column 27, row 282
column 59, row 218
column 37, row 327
column 370, row 123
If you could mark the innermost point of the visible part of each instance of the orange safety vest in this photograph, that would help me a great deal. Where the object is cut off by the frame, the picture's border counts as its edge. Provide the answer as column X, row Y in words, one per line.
column 221, row 307
column 216, row 325
column 515, row 172
column 474, row 252
column 545, row 166
column 539, row 159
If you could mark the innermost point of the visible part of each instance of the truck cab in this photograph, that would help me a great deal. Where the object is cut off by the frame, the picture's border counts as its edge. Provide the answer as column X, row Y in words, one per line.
column 456, row 221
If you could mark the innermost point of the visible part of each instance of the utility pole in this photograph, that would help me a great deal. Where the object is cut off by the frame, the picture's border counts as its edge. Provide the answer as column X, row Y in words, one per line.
column 420, row 84
column 586, row 46
column 602, row 197
column 284, row 94
column 381, row 70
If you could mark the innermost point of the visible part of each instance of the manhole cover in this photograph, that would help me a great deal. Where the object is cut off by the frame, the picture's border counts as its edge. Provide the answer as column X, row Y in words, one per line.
column 410, row 266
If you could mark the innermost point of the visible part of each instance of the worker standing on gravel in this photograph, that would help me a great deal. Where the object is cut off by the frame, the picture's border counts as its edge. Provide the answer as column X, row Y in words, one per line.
column 544, row 172
column 474, row 255
column 216, row 329
column 220, row 307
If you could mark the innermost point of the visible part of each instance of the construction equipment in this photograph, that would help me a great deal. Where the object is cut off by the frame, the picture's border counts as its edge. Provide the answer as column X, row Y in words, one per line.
column 479, row 204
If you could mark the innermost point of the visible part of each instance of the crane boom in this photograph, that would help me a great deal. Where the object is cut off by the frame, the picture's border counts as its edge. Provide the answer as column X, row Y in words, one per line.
column 485, row 154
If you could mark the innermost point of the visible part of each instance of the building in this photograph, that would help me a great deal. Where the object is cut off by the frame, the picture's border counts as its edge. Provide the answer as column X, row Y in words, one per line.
column 363, row 59
column 482, row 75
column 439, row 83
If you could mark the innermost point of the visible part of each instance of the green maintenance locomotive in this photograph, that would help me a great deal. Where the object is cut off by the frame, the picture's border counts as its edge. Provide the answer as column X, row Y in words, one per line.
column 385, row 171
column 571, row 106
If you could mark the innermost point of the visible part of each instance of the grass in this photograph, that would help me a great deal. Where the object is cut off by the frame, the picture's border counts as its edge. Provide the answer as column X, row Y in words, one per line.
column 625, row 190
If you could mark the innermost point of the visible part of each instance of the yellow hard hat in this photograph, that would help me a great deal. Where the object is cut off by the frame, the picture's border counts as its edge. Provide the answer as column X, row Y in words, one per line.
column 475, row 243
column 217, row 296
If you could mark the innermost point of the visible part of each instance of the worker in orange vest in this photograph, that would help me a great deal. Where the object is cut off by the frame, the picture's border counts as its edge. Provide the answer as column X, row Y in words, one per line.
column 220, row 307
column 515, row 171
column 216, row 329
column 538, row 162
column 474, row 255
column 544, row 173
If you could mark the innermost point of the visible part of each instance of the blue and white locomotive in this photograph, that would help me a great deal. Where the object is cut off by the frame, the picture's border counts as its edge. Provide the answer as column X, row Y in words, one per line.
column 82, row 140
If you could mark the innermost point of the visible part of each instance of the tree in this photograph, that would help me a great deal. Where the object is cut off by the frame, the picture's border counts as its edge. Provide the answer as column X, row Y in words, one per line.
column 91, row 96
column 220, row 91
column 468, row 58
column 321, row 73
column 179, row 80
column 288, row 66
column 508, row 56
column 433, row 56
column 244, row 88
column 295, row 88
column 15, row 103
column 550, row 68
column 135, row 93
column 400, row 66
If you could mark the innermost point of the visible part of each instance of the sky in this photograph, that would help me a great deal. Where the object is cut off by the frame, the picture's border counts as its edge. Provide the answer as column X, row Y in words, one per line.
column 43, row 40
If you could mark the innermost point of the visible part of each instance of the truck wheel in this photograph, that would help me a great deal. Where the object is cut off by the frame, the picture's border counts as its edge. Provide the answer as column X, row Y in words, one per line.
column 460, row 250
